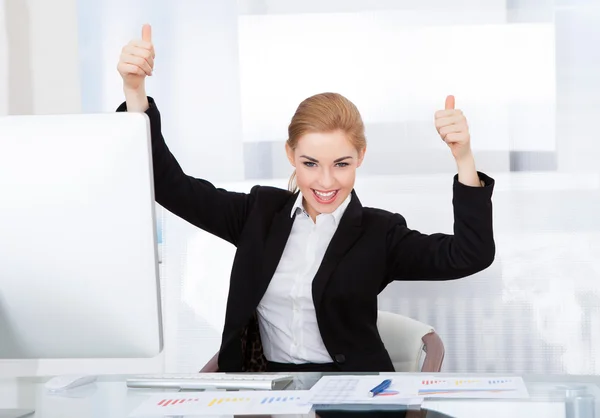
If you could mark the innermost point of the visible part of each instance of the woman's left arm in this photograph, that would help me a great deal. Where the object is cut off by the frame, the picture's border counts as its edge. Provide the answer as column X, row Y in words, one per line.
column 416, row 256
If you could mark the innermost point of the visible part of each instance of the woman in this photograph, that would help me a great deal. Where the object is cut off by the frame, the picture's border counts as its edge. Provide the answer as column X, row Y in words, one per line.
column 311, row 260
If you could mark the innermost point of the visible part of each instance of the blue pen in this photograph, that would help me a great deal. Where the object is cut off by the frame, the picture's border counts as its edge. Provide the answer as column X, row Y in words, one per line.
column 380, row 388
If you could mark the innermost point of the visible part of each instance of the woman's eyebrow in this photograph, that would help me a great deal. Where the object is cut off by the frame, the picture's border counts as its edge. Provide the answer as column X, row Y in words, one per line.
column 314, row 160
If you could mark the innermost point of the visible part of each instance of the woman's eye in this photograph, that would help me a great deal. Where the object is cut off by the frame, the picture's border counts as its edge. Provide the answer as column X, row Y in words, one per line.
column 342, row 164
column 309, row 164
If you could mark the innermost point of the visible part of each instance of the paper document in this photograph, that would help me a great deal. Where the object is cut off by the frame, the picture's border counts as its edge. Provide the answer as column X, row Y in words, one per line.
column 225, row 403
column 346, row 389
column 412, row 389
column 473, row 387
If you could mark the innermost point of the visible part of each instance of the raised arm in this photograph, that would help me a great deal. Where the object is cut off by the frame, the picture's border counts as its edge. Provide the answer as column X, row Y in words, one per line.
column 413, row 255
column 217, row 211
column 416, row 256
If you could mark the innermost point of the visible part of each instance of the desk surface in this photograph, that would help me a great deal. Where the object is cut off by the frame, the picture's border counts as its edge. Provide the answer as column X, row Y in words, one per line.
column 109, row 397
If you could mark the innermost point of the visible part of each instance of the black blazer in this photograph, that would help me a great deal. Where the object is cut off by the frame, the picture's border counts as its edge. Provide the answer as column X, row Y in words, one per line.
column 370, row 248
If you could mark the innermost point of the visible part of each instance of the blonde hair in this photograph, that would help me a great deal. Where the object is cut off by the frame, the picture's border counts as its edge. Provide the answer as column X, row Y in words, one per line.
column 326, row 112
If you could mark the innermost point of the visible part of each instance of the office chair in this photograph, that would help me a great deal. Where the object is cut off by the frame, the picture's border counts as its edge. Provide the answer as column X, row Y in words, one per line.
column 407, row 339
column 404, row 338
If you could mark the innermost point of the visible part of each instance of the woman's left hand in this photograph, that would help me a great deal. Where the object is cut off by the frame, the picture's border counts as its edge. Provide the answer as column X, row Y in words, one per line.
column 452, row 126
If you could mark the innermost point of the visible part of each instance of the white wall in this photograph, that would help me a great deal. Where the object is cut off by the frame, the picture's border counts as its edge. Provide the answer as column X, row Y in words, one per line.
column 196, row 78
column 458, row 7
column 40, row 73
column 3, row 62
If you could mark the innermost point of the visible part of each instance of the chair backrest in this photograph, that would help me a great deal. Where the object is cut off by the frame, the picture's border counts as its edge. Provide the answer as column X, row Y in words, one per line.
column 212, row 365
column 407, row 339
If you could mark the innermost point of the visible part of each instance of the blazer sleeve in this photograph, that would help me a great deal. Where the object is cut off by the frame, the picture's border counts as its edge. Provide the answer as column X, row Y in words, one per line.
column 214, row 210
column 416, row 256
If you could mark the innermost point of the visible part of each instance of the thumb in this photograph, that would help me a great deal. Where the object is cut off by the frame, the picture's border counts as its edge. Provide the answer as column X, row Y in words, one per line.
column 450, row 102
column 147, row 33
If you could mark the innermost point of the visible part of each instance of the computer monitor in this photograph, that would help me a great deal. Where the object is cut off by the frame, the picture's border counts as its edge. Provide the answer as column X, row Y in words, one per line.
column 78, row 254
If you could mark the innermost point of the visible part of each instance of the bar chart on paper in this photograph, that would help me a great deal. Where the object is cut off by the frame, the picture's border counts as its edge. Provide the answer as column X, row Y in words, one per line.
column 227, row 399
column 481, row 387
column 281, row 399
column 219, row 403
column 212, row 402
column 166, row 402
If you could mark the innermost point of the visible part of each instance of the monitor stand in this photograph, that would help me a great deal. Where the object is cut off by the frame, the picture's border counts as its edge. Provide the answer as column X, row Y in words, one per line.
column 15, row 413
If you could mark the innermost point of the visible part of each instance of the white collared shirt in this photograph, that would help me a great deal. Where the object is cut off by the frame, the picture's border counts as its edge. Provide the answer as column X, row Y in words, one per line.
column 286, row 314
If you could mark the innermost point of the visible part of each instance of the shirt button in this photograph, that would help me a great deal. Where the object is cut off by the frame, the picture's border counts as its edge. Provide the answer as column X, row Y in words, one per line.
column 339, row 358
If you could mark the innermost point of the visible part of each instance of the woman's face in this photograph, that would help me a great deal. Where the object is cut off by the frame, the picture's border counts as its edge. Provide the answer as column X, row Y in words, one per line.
column 326, row 166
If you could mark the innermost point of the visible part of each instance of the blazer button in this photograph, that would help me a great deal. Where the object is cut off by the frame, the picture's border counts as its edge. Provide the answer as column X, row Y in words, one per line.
column 339, row 358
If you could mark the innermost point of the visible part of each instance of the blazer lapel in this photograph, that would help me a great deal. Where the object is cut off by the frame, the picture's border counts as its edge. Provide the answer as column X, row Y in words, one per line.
column 348, row 231
column 275, row 244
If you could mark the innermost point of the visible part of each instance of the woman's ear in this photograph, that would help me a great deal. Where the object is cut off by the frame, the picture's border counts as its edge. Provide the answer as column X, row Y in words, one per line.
column 290, row 154
column 361, row 156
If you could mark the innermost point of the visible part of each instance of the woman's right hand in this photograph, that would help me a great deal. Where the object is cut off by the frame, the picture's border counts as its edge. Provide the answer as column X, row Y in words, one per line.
column 137, row 60
column 135, row 63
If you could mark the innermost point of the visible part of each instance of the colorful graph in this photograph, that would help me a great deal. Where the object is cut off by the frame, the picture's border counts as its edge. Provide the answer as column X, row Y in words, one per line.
column 388, row 392
column 218, row 401
column 280, row 399
column 168, row 402
column 448, row 386
column 465, row 382
column 456, row 382
column 432, row 382
column 223, row 403
column 500, row 381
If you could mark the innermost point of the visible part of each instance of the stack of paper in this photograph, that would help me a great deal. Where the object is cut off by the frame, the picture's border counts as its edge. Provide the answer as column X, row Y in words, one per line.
column 409, row 390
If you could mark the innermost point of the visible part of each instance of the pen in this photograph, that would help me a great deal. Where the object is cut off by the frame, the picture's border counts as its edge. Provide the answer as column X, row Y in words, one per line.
column 380, row 388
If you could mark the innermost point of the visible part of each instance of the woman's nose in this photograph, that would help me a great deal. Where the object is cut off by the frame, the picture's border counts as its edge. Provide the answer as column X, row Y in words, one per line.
column 327, row 180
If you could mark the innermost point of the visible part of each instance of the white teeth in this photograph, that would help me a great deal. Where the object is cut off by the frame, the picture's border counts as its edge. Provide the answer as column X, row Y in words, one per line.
column 328, row 194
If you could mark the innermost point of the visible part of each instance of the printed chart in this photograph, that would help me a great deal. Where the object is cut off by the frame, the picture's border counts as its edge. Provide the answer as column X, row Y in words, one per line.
column 206, row 403
column 504, row 387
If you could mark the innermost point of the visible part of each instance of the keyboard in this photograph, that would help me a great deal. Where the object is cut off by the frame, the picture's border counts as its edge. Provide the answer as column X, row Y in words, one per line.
column 233, row 381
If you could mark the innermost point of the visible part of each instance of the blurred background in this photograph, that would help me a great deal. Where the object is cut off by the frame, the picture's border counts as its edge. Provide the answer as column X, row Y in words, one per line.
column 229, row 75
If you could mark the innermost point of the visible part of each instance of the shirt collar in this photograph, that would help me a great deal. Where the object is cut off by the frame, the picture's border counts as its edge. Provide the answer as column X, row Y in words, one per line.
column 337, row 214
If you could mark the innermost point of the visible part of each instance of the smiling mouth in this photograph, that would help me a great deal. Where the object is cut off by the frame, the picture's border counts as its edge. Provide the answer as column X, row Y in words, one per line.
column 325, row 197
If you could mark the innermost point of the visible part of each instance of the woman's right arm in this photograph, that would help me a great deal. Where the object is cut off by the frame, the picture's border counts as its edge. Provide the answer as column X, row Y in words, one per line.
column 217, row 211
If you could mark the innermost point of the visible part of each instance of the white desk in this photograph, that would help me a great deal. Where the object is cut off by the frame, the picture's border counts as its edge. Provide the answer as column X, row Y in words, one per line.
column 109, row 397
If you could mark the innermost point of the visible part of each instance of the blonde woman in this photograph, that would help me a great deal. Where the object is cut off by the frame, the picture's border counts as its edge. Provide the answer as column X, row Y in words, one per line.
column 311, row 260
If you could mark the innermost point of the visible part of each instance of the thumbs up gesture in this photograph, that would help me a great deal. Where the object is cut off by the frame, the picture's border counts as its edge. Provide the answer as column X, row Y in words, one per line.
column 137, row 61
column 452, row 126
